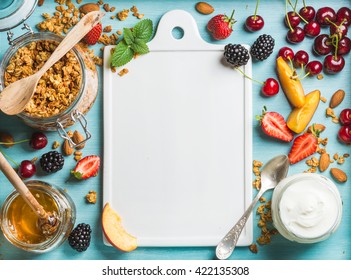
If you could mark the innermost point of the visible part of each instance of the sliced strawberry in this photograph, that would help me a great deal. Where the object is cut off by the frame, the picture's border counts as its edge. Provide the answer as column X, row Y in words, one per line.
column 304, row 146
column 274, row 125
column 93, row 35
column 86, row 167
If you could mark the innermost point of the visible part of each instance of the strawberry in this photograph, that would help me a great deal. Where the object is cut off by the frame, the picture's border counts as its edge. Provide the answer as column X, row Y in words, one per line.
column 304, row 146
column 274, row 125
column 86, row 167
column 220, row 26
column 93, row 35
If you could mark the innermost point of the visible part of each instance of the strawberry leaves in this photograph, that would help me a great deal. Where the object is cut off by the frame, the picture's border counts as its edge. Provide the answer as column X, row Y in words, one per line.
column 134, row 42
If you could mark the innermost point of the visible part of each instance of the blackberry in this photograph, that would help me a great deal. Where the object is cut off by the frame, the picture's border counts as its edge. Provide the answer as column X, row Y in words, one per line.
column 79, row 238
column 262, row 47
column 52, row 162
column 236, row 55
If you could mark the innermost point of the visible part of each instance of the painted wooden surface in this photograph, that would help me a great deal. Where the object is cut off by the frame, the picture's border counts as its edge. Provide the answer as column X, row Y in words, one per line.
column 336, row 247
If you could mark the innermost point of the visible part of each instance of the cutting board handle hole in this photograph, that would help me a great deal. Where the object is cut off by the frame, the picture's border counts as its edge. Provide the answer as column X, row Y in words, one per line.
column 178, row 33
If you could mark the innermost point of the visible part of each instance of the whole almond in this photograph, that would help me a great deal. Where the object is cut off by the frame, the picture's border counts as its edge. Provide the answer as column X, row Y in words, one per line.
column 317, row 127
column 324, row 162
column 6, row 138
column 338, row 175
column 78, row 138
column 89, row 7
column 67, row 150
column 204, row 8
column 337, row 98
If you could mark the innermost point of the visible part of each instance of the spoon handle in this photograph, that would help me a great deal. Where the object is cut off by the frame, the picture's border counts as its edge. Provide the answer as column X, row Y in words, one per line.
column 72, row 38
column 227, row 245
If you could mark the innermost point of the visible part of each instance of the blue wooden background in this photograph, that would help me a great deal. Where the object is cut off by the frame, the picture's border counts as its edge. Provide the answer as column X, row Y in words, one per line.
column 336, row 247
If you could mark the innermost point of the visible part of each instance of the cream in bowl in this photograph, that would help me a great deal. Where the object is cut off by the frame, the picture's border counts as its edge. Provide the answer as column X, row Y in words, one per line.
column 306, row 208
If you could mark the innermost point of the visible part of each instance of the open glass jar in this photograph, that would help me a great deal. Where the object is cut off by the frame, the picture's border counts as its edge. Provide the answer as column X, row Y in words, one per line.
column 69, row 109
column 19, row 222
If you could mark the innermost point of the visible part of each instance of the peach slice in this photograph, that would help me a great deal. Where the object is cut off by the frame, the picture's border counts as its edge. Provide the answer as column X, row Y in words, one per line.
column 115, row 232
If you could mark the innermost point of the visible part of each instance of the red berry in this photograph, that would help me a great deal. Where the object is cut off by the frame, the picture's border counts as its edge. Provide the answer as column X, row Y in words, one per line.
column 93, row 35
column 221, row 26
column 307, row 13
column 296, row 36
column 345, row 117
column 86, row 167
column 344, row 15
column 274, row 125
column 344, row 134
column 38, row 140
column 314, row 68
column 286, row 53
column 322, row 44
column 301, row 58
column 333, row 64
column 270, row 87
column 339, row 29
column 344, row 46
column 254, row 23
column 293, row 19
column 26, row 169
column 325, row 15
column 312, row 29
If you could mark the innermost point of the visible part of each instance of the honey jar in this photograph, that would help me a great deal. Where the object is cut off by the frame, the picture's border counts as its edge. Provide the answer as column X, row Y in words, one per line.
column 19, row 223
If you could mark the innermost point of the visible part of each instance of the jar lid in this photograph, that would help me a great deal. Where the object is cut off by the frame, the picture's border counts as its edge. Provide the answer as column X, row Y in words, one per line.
column 14, row 12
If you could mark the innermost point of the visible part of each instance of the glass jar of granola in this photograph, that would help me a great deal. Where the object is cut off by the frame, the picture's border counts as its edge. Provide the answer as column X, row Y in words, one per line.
column 64, row 94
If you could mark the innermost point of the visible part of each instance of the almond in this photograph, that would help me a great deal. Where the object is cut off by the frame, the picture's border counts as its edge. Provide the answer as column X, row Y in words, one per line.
column 78, row 138
column 204, row 8
column 6, row 138
column 338, row 175
column 337, row 98
column 316, row 127
column 324, row 162
column 89, row 7
column 67, row 150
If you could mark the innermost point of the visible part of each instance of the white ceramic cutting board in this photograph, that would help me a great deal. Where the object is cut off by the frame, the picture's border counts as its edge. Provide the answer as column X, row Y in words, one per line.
column 177, row 140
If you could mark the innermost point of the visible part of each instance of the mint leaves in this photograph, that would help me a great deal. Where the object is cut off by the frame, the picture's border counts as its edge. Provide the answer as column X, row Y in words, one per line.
column 134, row 42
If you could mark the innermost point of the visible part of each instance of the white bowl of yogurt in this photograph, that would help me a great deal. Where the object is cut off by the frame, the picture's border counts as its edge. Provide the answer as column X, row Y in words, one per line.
column 306, row 208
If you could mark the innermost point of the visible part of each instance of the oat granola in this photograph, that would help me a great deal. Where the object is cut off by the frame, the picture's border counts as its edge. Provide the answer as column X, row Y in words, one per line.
column 57, row 88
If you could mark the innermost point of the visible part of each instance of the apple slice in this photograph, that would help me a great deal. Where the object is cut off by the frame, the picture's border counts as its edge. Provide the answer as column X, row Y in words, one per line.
column 115, row 232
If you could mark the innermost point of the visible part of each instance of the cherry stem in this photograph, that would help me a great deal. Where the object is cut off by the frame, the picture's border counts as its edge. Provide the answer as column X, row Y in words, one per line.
column 9, row 158
column 333, row 23
column 304, row 3
column 14, row 143
column 246, row 76
column 256, row 9
column 286, row 15
column 298, row 14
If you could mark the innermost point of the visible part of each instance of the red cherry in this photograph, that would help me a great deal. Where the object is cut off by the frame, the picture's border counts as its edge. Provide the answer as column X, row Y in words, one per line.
column 325, row 15
column 293, row 18
column 314, row 67
column 270, row 87
column 345, row 117
column 344, row 15
column 301, row 58
column 344, row 134
column 333, row 64
column 26, row 169
column 286, row 53
column 307, row 13
column 322, row 44
column 312, row 29
column 344, row 46
column 296, row 36
column 38, row 140
column 339, row 29
column 254, row 23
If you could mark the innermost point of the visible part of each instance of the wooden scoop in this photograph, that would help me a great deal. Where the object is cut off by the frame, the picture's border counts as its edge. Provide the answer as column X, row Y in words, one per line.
column 15, row 97
column 48, row 222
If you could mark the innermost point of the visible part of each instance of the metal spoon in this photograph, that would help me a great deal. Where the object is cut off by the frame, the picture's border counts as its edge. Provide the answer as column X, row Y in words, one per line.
column 15, row 97
column 272, row 173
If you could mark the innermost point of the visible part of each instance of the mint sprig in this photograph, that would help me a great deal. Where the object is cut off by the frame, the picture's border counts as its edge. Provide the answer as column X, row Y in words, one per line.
column 134, row 42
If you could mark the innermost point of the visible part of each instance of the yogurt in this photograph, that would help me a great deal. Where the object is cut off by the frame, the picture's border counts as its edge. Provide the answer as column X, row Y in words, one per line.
column 306, row 208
